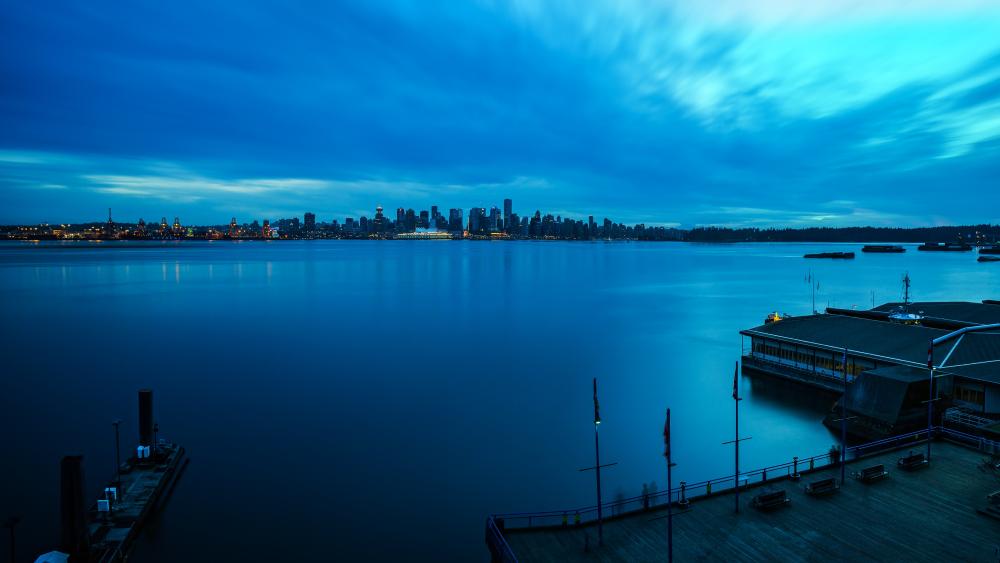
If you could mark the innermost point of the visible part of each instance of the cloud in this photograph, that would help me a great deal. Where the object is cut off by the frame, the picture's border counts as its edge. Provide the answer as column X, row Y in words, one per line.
column 640, row 111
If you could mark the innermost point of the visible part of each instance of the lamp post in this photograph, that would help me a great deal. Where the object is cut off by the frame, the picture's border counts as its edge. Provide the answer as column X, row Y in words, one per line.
column 597, row 467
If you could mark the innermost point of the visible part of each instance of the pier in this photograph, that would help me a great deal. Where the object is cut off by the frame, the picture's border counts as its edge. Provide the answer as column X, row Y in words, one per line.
column 935, row 513
column 106, row 531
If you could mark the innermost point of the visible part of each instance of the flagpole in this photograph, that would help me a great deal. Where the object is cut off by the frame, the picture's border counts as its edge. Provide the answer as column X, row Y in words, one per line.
column 597, row 466
column 736, row 399
column 670, row 497
column 843, row 425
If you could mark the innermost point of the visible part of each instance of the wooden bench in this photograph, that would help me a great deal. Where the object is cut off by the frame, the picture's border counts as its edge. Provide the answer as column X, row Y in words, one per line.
column 822, row 487
column 770, row 501
column 912, row 461
column 873, row 473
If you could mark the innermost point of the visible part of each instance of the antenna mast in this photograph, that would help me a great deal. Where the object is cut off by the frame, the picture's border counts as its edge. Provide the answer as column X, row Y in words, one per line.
column 906, row 289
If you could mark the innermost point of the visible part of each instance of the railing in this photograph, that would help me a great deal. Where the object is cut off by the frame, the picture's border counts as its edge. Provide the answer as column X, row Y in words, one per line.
column 500, row 550
column 748, row 479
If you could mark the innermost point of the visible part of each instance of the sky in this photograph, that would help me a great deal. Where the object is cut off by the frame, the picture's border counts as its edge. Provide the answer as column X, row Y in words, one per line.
column 669, row 112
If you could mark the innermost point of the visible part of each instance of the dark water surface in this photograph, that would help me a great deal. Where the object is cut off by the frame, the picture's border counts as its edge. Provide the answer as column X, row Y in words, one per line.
column 376, row 400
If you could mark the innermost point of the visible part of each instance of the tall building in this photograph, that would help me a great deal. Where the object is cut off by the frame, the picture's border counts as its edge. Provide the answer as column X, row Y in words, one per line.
column 309, row 221
column 400, row 219
column 410, row 221
column 494, row 223
column 434, row 216
column 266, row 230
column 508, row 210
column 379, row 223
column 477, row 220
column 455, row 220
column 177, row 227
column 425, row 220
column 141, row 228
column 234, row 230
column 163, row 227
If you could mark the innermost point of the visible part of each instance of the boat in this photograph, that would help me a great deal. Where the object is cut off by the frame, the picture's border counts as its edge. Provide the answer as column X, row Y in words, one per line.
column 988, row 259
column 944, row 247
column 989, row 249
column 887, row 248
column 841, row 255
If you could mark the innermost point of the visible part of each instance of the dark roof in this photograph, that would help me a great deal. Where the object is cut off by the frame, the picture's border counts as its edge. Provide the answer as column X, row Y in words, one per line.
column 891, row 341
column 963, row 311
column 973, row 356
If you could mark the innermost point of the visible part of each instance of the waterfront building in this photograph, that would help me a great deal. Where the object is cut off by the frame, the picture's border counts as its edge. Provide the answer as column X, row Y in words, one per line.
column 886, row 368
column 177, row 227
column 424, row 221
column 309, row 221
column 508, row 211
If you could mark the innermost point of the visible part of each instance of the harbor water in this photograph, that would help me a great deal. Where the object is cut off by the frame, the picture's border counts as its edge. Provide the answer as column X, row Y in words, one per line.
column 376, row 400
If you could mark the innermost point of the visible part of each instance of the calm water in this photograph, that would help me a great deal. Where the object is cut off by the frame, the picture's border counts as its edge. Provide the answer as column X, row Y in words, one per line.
column 375, row 400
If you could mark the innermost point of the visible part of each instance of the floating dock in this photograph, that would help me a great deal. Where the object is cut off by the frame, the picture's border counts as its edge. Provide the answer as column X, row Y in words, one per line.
column 106, row 532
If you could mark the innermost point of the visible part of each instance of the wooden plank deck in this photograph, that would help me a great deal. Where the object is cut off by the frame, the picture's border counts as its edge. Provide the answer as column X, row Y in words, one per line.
column 925, row 515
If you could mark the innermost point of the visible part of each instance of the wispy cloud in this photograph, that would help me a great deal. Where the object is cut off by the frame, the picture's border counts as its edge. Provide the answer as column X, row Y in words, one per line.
column 668, row 111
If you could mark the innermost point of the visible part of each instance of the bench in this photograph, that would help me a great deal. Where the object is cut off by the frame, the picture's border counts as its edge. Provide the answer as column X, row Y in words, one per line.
column 769, row 501
column 870, row 474
column 912, row 461
column 822, row 487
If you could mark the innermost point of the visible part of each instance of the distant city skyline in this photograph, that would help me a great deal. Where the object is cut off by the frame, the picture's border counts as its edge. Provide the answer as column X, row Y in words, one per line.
column 735, row 113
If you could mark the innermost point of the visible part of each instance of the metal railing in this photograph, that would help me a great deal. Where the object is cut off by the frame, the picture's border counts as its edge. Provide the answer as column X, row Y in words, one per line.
column 748, row 479
column 499, row 548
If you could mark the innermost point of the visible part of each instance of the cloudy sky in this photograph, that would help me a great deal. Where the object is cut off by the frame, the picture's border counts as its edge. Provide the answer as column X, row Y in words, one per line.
column 727, row 112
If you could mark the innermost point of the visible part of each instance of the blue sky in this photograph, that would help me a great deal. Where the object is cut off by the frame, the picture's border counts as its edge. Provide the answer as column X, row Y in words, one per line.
column 732, row 112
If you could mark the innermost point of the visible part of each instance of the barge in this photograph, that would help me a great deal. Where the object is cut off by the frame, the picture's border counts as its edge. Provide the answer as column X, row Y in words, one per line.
column 835, row 255
column 883, row 248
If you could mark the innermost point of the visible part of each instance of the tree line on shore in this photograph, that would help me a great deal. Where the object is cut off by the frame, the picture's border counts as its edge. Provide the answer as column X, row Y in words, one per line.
column 966, row 233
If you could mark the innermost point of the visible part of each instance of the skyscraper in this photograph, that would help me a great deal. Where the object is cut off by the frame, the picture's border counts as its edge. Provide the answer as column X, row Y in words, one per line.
column 309, row 221
column 508, row 210
column 477, row 220
column 494, row 219
column 455, row 220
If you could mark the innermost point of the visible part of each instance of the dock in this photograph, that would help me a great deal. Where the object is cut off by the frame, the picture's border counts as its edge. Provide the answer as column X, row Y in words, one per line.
column 143, row 487
column 106, row 531
column 935, row 513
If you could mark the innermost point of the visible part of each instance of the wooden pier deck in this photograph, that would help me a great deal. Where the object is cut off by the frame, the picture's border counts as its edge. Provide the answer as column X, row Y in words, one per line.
column 929, row 514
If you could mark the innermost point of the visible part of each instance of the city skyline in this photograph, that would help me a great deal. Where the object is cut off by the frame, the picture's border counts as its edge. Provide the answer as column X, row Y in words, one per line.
column 743, row 114
column 406, row 222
